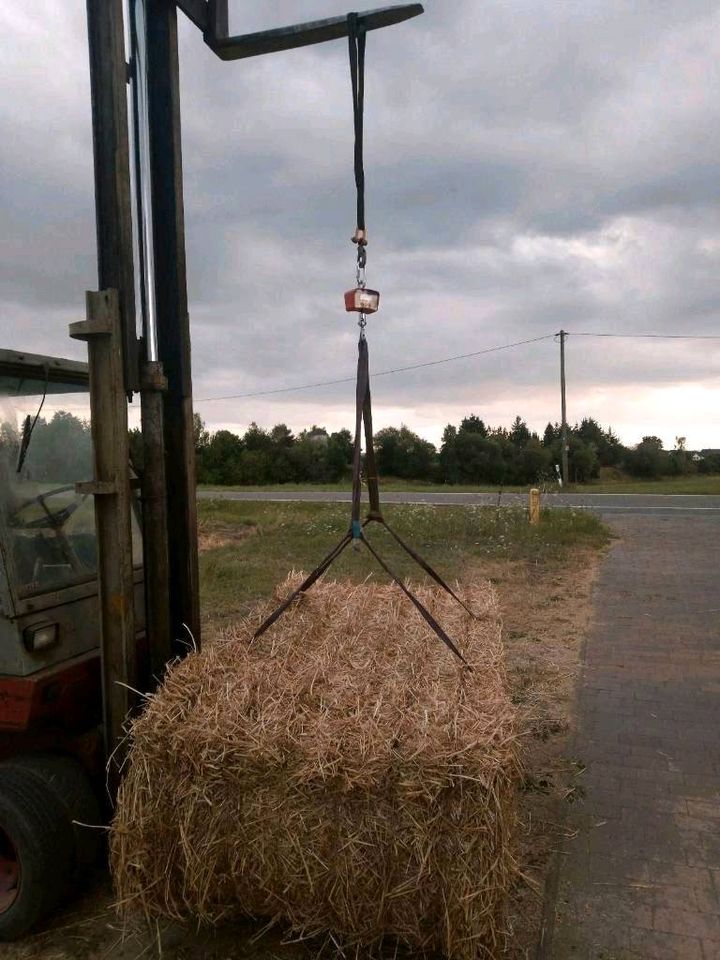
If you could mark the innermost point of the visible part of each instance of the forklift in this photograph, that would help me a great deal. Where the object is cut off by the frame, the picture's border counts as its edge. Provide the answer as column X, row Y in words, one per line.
column 99, row 567
column 51, row 750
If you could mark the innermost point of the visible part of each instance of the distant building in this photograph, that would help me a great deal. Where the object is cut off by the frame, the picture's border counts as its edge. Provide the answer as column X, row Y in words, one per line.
column 318, row 435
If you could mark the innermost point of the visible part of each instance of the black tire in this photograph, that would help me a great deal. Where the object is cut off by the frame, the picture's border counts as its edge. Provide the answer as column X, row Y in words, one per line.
column 33, row 831
column 66, row 779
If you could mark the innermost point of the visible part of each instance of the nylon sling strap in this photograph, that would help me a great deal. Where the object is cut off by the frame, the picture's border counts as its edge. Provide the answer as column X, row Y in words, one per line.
column 356, row 44
column 363, row 417
column 420, row 607
column 305, row 585
column 363, row 411
column 433, row 574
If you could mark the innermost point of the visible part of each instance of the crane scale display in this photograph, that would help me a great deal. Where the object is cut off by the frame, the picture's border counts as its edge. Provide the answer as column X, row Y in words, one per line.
column 363, row 301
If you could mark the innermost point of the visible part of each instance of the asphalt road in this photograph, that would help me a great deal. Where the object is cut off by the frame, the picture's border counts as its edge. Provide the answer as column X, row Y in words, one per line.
column 638, row 504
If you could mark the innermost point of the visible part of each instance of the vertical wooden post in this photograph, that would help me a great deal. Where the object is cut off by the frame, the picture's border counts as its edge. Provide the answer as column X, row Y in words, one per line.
column 173, row 324
column 103, row 332
column 155, row 532
column 563, row 407
column 108, row 81
column 534, row 506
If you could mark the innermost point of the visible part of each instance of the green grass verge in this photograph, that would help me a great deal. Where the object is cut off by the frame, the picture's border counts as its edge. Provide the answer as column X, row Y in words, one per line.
column 697, row 485
column 682, row 485
column 288, row 536
column 386, row 483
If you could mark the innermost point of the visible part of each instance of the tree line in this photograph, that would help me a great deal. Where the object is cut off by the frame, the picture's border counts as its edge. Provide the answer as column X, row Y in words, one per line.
column 59, row 450
column 471, row 452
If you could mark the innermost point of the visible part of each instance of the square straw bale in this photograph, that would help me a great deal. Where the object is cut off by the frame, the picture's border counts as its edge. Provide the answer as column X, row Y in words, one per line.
column 342, row 775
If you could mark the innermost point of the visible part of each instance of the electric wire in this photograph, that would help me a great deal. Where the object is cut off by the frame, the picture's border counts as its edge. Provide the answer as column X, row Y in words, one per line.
column 647, row 336
column 380, row 373
column 460, row 356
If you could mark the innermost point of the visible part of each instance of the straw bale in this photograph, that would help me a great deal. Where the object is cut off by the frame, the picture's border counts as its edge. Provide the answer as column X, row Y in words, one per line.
column 343, row 775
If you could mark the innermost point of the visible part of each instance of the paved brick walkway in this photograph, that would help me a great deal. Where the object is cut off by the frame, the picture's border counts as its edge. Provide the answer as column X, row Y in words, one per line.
column 640, row 871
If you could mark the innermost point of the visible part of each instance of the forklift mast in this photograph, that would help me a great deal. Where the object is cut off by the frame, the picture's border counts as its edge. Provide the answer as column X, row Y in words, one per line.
column 137, row 326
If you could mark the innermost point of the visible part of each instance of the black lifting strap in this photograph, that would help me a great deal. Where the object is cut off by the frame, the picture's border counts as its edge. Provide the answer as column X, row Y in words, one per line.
column 363, row 410
column 363, row 417
column 356, row 42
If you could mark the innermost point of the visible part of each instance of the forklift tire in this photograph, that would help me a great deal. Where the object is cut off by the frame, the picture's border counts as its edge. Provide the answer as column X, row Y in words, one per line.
column 36, row 852
column 66, row 779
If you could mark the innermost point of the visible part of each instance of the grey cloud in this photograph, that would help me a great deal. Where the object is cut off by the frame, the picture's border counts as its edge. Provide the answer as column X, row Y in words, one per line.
column 529, row 166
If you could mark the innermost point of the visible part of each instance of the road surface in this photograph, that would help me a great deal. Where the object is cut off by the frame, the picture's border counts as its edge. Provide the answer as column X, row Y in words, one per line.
column 618, row 504
column 638, row 867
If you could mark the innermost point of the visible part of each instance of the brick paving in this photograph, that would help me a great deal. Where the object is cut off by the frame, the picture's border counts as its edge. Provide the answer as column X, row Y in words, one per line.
column 639, row 875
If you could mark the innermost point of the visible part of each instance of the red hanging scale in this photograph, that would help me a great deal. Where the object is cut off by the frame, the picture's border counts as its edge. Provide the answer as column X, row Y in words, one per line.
column 361, row 299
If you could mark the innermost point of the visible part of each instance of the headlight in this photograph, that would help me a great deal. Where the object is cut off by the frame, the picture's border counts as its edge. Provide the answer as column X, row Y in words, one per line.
column 40, row 636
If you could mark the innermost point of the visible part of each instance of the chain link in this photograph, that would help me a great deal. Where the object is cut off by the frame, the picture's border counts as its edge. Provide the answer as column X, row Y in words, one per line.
column 361, row 280
column 360, row 269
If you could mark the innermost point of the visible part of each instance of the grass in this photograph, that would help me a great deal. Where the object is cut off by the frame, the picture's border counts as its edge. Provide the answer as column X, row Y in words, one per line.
column 699, row 484
column 238, row 570
column 387, row 483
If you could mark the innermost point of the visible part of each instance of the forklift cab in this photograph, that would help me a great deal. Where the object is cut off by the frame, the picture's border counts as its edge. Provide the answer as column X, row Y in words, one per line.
column 50, row 687
column 48, row 548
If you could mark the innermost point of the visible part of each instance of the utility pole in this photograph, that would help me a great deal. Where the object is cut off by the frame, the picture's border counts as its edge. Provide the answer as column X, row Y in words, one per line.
column 563, row 433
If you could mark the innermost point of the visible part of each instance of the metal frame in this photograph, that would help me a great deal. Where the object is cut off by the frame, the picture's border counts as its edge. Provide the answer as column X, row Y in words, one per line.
column 288, row 38
column 36, row 366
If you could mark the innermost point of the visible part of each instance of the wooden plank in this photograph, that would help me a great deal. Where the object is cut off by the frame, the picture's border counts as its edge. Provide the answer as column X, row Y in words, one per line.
column 155, row 531
column 108, row 80
column 173, row 323
column 108, row 406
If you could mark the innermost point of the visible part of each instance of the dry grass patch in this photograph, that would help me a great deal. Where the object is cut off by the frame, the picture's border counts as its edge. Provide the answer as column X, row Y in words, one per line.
column 213, row 536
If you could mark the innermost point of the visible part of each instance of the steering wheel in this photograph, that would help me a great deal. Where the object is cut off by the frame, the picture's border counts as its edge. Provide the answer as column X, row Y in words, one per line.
column 55, row 520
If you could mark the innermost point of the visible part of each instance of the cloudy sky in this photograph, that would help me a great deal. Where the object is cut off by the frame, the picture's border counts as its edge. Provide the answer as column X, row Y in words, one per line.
column 530, row 165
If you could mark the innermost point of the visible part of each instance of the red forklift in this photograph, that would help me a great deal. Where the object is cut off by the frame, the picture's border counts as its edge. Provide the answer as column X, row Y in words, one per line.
column 51, row 747
column 98, row 567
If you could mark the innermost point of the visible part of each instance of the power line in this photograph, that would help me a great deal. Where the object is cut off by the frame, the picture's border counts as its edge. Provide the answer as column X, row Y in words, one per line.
column 460, row 356
column 381, row 373
column 648, row 336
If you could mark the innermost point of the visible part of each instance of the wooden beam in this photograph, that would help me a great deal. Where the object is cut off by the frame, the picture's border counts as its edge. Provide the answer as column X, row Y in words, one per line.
column 111, row 487
column 155, row 530
column 108, row 81
column 173, row 323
